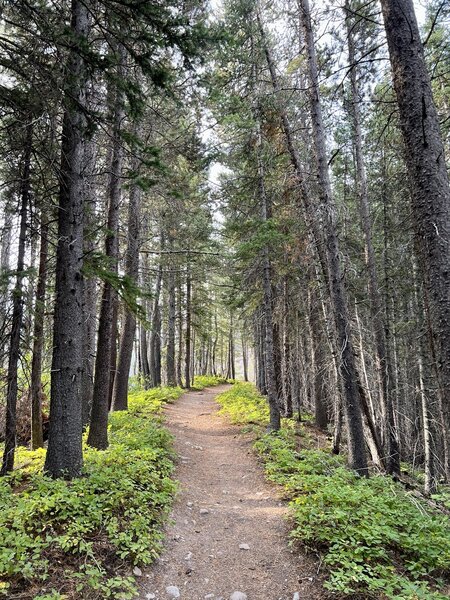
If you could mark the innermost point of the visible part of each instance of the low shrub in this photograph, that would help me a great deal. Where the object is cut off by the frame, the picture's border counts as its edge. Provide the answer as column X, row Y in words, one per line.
column 78, row 539
column 203, row 381
column 376, row 539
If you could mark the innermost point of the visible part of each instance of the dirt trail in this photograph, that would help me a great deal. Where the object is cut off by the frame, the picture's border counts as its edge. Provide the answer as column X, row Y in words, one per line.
column 224, row 502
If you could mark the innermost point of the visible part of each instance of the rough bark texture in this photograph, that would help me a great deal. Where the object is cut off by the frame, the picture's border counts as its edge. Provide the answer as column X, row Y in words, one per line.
column 37, row 439
column 428, row 174
column 17, row 315
column 98, row 430
column 64, row 454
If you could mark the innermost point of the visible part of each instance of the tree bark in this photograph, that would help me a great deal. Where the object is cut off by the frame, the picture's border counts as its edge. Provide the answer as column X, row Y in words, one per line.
column 120, row 394
column 425, row 160
column 90, row 285
column 357, row 450
column 17, row 315
column 155, row 336
column 180, row 332
column 37, row 439
column 384, row 366
column 187, row 372
column 171, row 325
column 64, row 454
column 98, row 429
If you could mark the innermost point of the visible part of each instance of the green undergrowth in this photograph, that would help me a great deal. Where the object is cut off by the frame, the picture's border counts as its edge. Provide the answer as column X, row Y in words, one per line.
column 81, row 539
column 204, row 381
column 376, row 539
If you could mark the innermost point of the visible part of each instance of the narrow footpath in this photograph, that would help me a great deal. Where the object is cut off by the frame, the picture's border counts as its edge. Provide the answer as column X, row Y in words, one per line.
column 228, row 533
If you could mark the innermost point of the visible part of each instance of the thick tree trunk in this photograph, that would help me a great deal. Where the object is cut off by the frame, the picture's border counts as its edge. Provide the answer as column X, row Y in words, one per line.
column 120, row 393
column 17, row 315
column 428, row 174
column 98, row 429
column 37, row 439
column 64, row 455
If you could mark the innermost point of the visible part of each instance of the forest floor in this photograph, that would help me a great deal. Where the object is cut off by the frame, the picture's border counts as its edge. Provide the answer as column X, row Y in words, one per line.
column 228, row 532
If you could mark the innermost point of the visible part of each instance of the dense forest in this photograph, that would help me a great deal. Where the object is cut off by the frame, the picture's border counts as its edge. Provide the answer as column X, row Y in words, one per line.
column 236, row 191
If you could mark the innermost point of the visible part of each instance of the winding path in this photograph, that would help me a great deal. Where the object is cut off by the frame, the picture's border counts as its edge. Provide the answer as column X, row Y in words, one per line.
column 228, row 532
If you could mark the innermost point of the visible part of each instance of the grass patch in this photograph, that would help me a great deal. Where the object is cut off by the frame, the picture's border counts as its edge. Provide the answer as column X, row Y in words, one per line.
column 376, row 539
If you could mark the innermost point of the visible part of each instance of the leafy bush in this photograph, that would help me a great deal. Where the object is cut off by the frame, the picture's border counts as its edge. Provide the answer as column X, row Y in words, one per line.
column 80, row 533
column 377, row 539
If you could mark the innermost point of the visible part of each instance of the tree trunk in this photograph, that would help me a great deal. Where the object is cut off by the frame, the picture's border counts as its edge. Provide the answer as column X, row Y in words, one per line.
column 98, row 430
column 244, row 356
column 269, row 349
column 171, row 325
column 187, row 372
column 120, row 394
column 180, row 332
column 17, row 315
column 155, row 335
column 428, row 174
column 357, row 450
column 384, row 367
column 317, row 360
column 64, row 455
column 90, row 285
column 37, row 439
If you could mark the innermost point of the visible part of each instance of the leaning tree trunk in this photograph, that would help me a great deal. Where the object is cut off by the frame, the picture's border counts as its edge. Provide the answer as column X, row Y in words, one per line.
column 120, row 394
column 384, row 366
column 64, row 455
column 425, row 160
column 348, row 370
column 37, row 439
column 17, row 315
column 98, row 429
column 330, row 259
